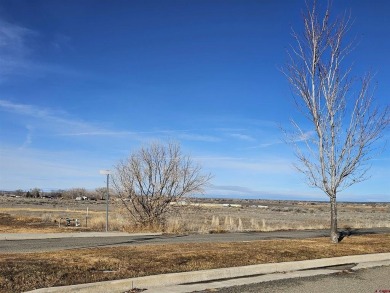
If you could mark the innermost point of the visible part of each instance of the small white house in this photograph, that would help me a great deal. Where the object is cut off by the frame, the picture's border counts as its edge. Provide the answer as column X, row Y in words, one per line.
column 81, row 198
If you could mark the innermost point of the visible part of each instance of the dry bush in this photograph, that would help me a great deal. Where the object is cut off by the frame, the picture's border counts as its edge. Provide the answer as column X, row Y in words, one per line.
column 230, row 224
column 370, row 224
column 215, row 222
column 153, row 178
column 48, row 217
column 239, row 225
column 176, row 226
column 254, row 224
column 98, row 222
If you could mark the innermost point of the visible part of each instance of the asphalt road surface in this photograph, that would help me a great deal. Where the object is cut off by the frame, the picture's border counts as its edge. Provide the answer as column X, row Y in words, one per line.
column 41, row 245
column 373, row 280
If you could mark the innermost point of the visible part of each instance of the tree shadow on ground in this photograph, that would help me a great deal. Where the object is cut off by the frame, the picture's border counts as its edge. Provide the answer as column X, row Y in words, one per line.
column 350, row 231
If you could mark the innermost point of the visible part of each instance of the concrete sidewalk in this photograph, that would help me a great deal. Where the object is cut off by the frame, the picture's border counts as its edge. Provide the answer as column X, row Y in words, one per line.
column 25, row 236
column 226, row 277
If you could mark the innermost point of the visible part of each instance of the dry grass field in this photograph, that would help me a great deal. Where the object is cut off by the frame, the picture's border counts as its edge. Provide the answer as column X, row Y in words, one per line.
column 204, row 216
column 22, row 272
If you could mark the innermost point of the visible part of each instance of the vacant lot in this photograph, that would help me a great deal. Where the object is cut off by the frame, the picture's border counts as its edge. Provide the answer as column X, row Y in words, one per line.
column 43, row 215
column 21, row 272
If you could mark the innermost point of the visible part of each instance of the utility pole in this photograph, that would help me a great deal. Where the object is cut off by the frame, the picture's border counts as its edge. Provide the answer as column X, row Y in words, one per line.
column 106, row 172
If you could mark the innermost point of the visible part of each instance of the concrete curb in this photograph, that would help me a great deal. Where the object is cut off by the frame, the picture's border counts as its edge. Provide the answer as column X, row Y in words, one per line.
column 214, row 274
column 30, row 236
column 239, row 282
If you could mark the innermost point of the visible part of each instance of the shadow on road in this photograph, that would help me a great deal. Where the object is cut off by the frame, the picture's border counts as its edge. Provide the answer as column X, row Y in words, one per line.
column 349, row 232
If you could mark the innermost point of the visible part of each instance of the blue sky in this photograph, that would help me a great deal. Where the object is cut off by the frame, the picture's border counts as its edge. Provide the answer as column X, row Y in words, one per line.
column 84, row 83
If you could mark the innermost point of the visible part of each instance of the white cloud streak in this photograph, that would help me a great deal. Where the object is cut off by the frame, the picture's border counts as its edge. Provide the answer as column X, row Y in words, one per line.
column 266, row 165
column 231, row 190
column 198, row 137
column 265, row 145
column 14, row 48
column 16, row 43
column 241, row 136
column 60, row 123
column 28, row 168
column 28, row 139
column 47, row 118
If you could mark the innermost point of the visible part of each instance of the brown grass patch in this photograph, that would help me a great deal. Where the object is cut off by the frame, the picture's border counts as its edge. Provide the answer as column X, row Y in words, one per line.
column 46, row 223
column 22, row 224
column 12, row 224
column 21, row 272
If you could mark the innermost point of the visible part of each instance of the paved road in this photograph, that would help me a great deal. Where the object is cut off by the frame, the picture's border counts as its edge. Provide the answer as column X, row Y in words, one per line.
column 365, row 280
column 40, row 245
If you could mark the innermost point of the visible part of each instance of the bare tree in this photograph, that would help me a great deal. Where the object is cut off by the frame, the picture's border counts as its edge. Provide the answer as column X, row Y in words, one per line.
column 100, row 193
column 73, row 193
column 35, row 192
column 154, row 177
column 344, row 121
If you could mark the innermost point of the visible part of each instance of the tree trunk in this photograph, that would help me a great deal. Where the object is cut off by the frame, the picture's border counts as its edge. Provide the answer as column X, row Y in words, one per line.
column 334, row 234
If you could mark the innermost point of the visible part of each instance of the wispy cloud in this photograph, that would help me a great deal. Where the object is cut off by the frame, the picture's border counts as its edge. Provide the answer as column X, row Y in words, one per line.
column 231, row 190
column 266, row 144
column 60, row 123
column 54, row 125
column 198, row 137
column 12, row 39
column 242, row 136
column 180, row 134
column 157, row 134
column 28, row 139
column 61, row 42
column 52, row 119
column 275, row 193
column 99, row 133
column 261, row 165
column 295, row 134
column 304, row 136
column 28, row 168
column 14, row 48
column 24, row 109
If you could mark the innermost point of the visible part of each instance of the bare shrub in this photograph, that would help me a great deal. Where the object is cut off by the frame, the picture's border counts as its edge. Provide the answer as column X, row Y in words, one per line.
column 73, row 193
column 263, row 224
column 240, row 227
column 153, row 178
column 215, row 222
column 254, row 224
column 98, row 223
column 47, row 217
column 175, row 225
